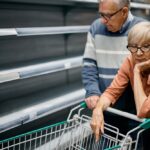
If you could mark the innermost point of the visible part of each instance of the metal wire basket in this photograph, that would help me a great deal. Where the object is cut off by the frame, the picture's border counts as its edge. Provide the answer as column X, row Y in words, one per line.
column 74, row 134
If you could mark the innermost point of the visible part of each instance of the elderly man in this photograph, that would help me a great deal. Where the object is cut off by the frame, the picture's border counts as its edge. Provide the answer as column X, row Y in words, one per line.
column 106, row 47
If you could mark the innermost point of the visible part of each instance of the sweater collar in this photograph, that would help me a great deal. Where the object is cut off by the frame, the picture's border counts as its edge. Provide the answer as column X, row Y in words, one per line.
column 129, row 19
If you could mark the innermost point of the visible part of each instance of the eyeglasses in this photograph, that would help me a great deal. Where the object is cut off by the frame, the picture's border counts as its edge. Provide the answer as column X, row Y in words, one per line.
column 108, row 16
column 134, row 49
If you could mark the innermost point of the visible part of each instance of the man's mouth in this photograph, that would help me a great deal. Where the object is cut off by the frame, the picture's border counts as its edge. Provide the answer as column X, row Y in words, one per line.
column 110, row 28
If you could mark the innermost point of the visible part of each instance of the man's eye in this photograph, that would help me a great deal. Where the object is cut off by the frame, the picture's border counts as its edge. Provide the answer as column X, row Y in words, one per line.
column 108, row 16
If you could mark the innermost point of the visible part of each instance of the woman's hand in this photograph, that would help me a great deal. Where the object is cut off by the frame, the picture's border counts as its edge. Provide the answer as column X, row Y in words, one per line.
column 143, row 67
column 141, row 75
column 97, row 122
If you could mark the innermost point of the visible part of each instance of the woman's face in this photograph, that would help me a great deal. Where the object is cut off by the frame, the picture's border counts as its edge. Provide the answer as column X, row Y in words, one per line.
column 140, row 52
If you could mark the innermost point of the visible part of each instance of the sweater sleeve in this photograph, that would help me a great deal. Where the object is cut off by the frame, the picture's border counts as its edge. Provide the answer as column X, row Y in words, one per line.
column 90, row 73
column 120, row 82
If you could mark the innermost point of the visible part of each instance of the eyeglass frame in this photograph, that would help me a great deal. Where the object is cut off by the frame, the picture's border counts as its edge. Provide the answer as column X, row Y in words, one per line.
column 109, row 16
column 138, row 47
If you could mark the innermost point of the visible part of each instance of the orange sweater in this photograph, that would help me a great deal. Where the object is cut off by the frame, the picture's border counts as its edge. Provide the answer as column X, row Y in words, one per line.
column 120, row 82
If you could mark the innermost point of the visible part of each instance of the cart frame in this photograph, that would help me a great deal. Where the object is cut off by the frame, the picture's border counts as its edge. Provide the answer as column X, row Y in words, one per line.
column 75, row 134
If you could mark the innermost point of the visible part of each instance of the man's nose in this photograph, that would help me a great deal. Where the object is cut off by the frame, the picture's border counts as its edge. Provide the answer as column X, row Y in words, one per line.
column 103, row 20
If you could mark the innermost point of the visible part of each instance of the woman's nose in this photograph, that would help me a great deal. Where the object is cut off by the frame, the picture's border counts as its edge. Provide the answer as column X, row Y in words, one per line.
column 139, row 52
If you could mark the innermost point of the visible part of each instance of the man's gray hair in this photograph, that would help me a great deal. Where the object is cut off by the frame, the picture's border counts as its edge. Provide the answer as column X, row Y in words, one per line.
column 120, row 3
column 123, row 3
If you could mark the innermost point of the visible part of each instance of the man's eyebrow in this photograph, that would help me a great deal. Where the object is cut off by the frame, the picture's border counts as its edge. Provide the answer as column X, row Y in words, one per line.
column 101, row 12
column 104, row 13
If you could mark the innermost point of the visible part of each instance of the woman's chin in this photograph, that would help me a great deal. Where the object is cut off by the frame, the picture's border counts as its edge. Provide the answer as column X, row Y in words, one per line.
column 139, row 60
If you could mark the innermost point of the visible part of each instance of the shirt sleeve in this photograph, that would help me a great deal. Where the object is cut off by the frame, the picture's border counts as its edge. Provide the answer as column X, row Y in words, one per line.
column 120, row 82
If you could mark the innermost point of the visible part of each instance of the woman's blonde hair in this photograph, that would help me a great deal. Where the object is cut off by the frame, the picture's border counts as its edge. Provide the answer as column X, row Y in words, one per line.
column 140, row 33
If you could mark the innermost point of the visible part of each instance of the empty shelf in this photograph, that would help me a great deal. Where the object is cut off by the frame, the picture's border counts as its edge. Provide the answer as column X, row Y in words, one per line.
column 44, row 106
column 40, row 69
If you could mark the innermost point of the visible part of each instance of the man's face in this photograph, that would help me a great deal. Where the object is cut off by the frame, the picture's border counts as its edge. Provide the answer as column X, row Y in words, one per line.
column 112, row 16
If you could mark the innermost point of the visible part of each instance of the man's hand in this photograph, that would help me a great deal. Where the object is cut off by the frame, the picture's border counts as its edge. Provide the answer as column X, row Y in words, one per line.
column 92, row 101
column 97, row 122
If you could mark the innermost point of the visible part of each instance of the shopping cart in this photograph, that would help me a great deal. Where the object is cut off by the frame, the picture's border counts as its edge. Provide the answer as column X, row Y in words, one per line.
column 75, row 134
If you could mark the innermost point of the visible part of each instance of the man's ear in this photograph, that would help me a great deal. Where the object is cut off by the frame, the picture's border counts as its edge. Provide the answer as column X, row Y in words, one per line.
column 125, row 11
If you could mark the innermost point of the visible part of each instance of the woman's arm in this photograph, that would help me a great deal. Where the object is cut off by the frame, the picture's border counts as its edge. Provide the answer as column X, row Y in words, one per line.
column 140, row 96
column 97, row 122
column 110, row 95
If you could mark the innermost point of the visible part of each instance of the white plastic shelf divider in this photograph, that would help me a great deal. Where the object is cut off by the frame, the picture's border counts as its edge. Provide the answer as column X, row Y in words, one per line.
column 33, row 31
column 40, row 69
column 8, row 31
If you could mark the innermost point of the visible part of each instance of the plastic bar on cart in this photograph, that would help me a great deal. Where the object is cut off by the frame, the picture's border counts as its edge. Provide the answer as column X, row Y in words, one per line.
column 119, row 112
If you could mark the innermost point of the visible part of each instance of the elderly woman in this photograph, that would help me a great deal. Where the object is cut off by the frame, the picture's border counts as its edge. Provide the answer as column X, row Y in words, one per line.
column 136, row 70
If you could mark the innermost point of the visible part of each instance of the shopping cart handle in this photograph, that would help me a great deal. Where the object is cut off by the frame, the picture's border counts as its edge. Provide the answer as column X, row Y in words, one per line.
column 83, row 105
column 145, row 124
column 124, row 114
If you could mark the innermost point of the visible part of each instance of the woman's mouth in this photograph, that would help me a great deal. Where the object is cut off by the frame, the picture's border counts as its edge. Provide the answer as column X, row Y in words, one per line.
column 139, row 60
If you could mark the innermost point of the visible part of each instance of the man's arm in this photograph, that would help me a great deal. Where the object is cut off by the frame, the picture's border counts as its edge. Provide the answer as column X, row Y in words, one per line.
column 90, row 73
